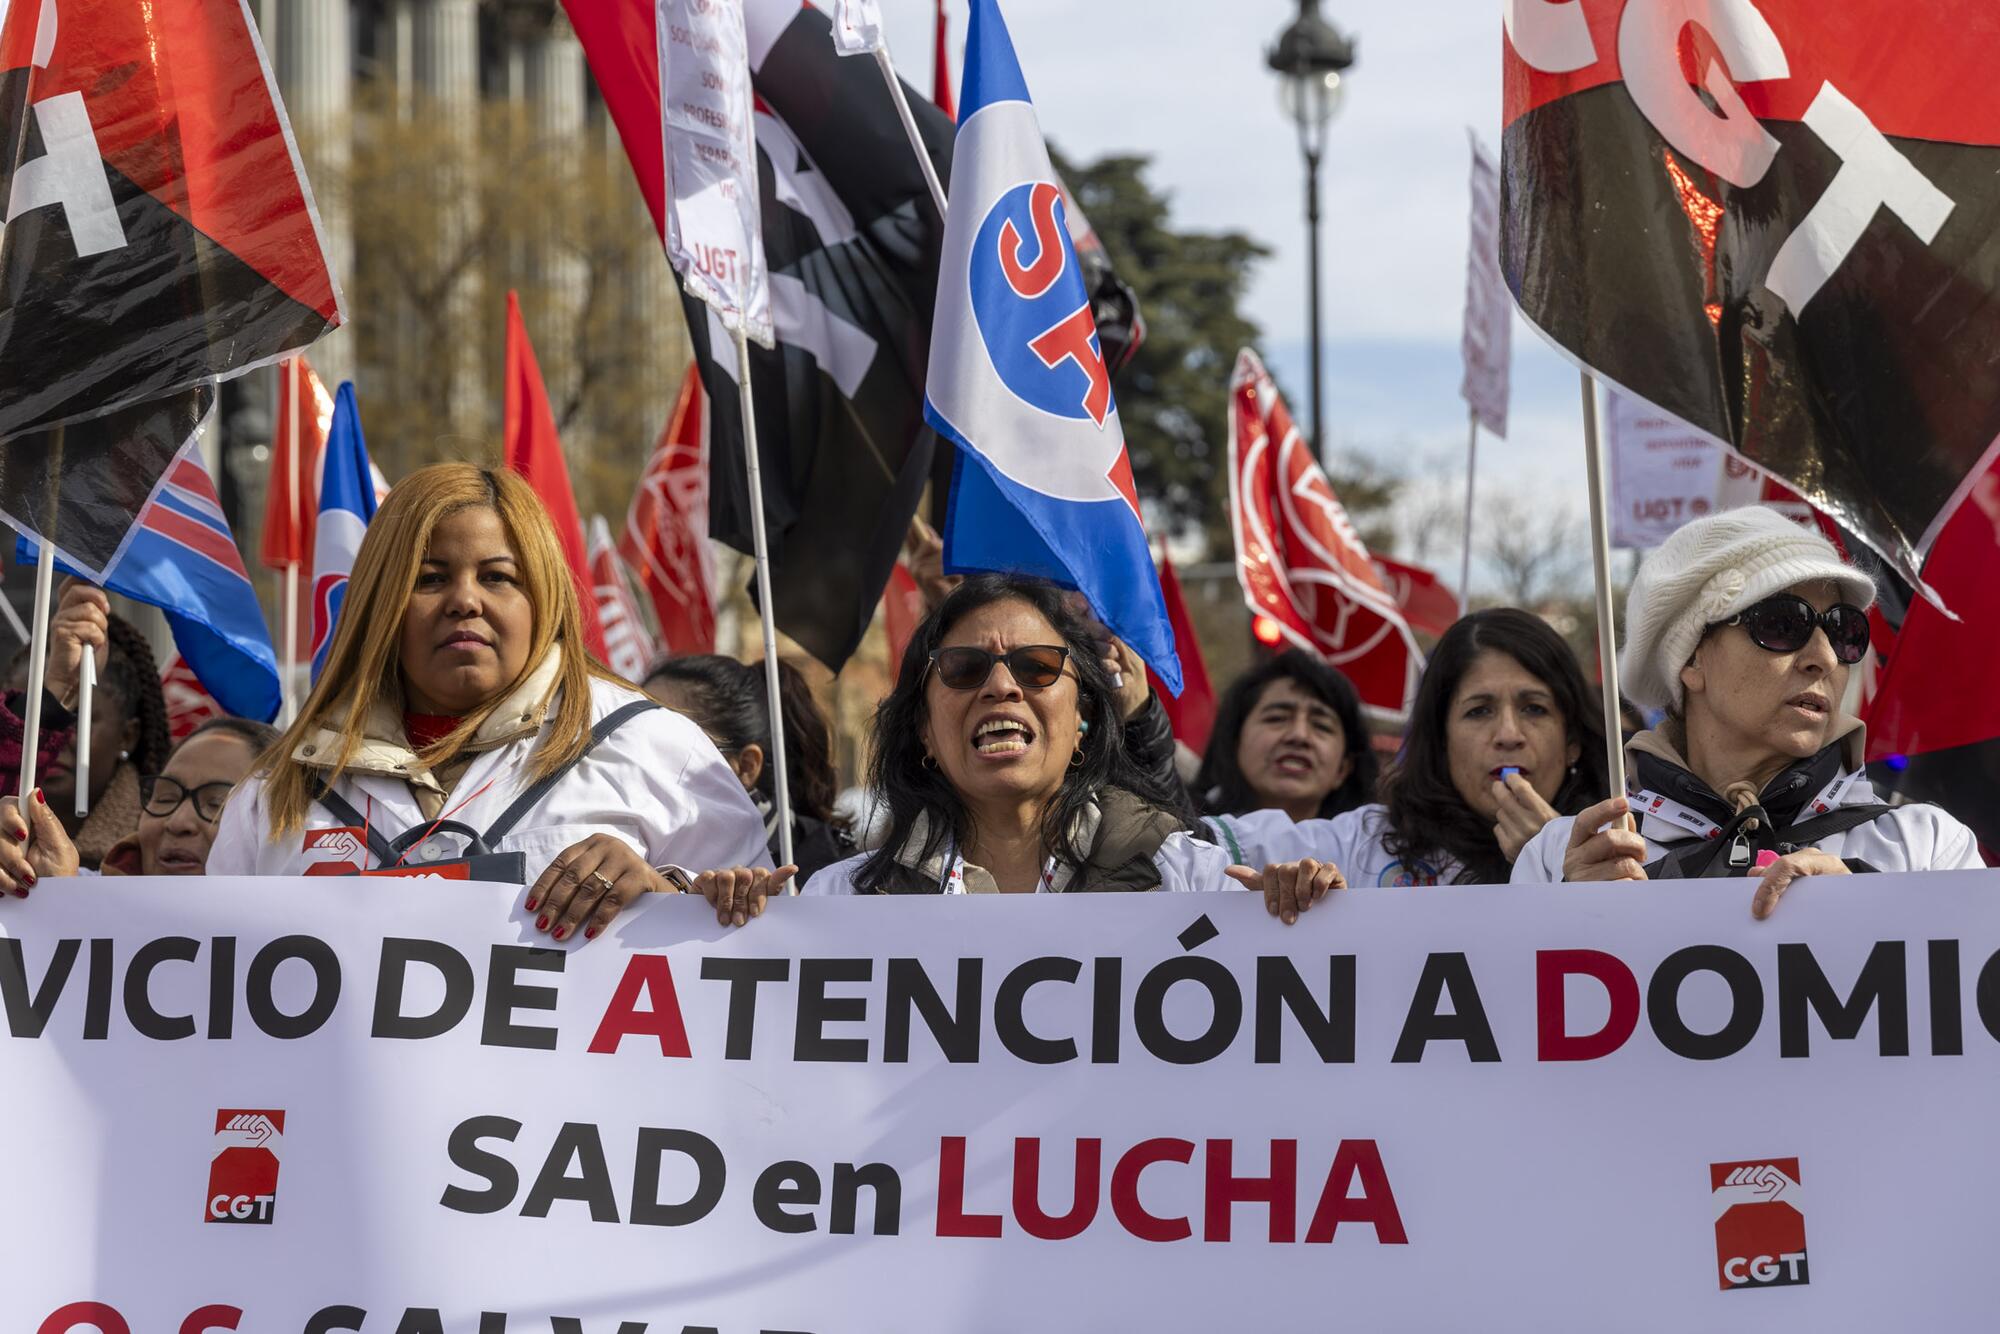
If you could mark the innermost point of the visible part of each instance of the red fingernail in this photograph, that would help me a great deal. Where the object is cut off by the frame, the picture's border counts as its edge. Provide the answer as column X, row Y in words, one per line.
column 590, row 933
column 561, row 931
column 21, row 834
column 31, row 878
column 542, row 922
column 530, row 905
column 40, row 798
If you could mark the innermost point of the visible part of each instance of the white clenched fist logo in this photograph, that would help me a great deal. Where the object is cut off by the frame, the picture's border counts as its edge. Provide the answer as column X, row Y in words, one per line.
column 248, row 1130
column 1761, row 1183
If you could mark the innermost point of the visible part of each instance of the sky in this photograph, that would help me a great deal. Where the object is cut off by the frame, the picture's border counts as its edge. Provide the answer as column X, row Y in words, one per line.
column 1186, row 84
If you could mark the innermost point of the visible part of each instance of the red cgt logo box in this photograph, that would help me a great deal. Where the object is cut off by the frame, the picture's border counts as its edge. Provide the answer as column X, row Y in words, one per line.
column 243, row 1168
column 1760, row 1223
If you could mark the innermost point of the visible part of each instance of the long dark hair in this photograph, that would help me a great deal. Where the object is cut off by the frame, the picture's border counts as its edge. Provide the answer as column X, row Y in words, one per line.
column 1427, row 816
column 1219, row 786
column 727, row 700
column 911, row 789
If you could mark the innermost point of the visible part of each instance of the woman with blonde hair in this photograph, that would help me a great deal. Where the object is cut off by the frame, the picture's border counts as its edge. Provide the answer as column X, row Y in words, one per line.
column 459, row 718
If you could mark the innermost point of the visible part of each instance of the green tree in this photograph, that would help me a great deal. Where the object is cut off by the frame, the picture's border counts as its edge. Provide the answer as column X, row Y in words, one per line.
column 1173, row 397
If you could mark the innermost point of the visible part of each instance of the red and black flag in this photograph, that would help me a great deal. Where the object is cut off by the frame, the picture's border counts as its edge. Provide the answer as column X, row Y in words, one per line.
column 1779, row 221
column 851, row 242
column 158, row 235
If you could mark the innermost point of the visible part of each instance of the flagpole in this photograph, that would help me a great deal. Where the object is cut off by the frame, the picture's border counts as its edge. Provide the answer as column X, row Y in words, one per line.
column 761, row 546
column 86, row 690
column 290, row 692
column 1465, row 554
column 888, row 69
column 1600, row 556
column 38, row 653
column 14, row 620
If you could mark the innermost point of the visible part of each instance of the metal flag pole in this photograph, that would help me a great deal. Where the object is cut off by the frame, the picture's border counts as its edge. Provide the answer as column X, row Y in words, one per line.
column 767, row 615
column 883, row 63
column 86, row 691
column 1465, row 555
column 13, row 619
column 38, row 653
column 1600, row 558
column 290, row 692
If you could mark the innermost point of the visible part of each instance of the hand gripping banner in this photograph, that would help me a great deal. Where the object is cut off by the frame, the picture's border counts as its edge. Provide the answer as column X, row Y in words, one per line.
column 1777, row 221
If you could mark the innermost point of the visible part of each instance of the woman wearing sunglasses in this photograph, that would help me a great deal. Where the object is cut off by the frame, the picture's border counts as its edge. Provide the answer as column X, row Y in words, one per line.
column 997, row 771
column 1744, row 627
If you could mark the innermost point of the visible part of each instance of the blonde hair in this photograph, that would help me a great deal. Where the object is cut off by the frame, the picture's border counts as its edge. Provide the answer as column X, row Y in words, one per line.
column 364, row 666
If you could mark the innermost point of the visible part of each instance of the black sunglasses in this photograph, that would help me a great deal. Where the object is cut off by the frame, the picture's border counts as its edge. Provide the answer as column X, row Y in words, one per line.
column 1033, row 666
column 1785, row 623
column 161, row 796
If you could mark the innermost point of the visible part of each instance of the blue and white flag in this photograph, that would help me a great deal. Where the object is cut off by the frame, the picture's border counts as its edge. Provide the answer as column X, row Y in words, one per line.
column 1042, row 484
column 183, row 559
column 346, row 505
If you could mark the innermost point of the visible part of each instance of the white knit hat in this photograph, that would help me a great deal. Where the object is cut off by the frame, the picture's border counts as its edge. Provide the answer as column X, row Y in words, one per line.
column 1706, row 573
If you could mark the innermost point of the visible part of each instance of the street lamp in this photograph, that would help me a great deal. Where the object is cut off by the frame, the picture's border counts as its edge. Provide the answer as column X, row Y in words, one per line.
column 1311, row 57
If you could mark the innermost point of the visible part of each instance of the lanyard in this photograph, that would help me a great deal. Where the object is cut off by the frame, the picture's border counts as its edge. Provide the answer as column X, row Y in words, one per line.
column 1658, row 807
column 954, row 878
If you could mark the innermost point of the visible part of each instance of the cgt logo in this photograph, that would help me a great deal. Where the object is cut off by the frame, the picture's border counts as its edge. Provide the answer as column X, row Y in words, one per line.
column 335, row 851
column 1760, row 1223
column 243, row 1170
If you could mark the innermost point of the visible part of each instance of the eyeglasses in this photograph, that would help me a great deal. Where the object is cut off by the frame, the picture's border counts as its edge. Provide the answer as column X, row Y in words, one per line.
column 1785, row 624
column 1033, row 666
column 161, row 796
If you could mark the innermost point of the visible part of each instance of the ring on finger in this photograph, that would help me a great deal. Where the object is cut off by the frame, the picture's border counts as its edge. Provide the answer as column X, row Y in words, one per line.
column 602, row 882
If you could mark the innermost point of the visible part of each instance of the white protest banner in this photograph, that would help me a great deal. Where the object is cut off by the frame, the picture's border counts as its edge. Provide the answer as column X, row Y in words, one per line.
column 1487, row 344
column 715, row 239
column 857, row 27
column 374, row 1107
column 1663, row 474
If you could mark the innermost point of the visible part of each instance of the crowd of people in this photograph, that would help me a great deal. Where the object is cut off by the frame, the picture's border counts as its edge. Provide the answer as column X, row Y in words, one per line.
column 458, row 719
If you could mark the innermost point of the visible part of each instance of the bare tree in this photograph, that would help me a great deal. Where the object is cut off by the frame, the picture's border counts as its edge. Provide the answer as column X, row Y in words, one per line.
column 1539, row 555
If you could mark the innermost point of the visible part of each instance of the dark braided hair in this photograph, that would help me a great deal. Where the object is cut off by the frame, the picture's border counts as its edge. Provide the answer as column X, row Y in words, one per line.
column 129, row 669
column 728, row 700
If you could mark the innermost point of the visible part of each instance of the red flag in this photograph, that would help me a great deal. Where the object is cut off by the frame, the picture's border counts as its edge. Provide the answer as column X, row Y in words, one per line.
column 159, row 236
column 941, row 72
column 1298, row 557
column 288, row 520
column 1935, row 714
column 902, row 613
column 535, row 451
column 188, row 704
column 666, row 529
column 629, row 649
column 1193, row 712
column 1427, row 605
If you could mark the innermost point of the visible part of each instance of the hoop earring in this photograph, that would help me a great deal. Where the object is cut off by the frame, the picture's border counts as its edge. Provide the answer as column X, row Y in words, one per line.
column 1076, row 758
column 929, row 761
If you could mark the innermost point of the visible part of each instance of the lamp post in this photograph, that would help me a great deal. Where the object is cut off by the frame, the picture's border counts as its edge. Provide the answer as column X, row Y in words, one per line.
column 1310, row 58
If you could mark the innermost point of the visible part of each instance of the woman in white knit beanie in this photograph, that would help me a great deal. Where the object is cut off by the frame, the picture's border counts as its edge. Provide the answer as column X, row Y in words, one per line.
column 1743, row 626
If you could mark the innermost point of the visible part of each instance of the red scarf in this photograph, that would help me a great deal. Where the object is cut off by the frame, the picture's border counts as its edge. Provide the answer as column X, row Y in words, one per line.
column 427, row 729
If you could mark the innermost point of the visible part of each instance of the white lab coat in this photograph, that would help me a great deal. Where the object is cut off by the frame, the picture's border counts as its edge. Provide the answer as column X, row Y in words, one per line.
column 1916, row 837
column 658, row 783
column 1352, row 840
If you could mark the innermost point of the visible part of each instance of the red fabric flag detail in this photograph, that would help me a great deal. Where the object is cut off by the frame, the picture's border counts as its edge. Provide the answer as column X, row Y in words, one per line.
column 902, row 613
column 666, row 529
column 534, row 450
column 941, row 72
column 1193, row 713
column 289, row 518
column 1428, row 606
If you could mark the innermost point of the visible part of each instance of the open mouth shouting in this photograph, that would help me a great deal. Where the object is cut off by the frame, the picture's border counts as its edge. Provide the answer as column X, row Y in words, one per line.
column 1001, row 735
